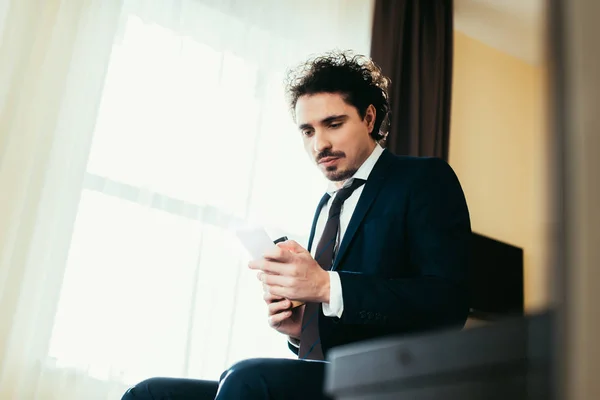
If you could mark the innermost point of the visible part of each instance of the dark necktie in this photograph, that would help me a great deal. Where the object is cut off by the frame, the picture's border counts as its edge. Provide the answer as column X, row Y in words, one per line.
column 310, row 343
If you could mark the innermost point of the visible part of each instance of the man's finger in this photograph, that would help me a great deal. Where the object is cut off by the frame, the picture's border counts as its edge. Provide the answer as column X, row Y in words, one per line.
column 276, row 268
column 280, row 291
column 271, row 267
column 256, row 264
column 279, row 254
column 268, row 297
column 292, row 245
column 276, row 280
column 277, row 319
column 277, row 307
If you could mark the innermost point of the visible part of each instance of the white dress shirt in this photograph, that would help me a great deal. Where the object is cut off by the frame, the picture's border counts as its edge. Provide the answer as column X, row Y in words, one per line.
column 335, row 308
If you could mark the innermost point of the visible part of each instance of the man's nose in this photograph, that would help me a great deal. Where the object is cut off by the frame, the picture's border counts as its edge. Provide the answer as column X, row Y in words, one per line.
column 320, row 142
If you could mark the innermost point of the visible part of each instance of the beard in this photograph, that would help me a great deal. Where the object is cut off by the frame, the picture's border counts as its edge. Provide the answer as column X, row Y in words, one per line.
column 335, row 175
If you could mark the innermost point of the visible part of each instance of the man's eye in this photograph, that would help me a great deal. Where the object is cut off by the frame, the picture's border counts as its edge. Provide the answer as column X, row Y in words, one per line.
column 336, row 125
column 307, row 133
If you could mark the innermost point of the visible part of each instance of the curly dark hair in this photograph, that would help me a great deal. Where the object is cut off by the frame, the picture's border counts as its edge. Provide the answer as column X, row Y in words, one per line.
column 356, row 77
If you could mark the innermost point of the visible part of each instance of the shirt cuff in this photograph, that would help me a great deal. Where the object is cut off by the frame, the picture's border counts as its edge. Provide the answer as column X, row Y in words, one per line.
column 294, row 342
column 335, row 308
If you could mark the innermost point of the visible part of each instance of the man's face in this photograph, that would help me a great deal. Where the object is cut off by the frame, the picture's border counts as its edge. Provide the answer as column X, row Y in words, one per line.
column 335, row 136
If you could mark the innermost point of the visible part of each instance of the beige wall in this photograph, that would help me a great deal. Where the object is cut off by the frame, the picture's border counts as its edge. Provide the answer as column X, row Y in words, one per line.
column 498, row 145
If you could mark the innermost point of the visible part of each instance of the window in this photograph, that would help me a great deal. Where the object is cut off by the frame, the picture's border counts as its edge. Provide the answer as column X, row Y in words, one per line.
column 191, row 141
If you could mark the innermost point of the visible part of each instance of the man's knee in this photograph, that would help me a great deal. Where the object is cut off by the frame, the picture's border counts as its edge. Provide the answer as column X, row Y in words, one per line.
column 244, row 378
column 142, row 390
column 246, row 369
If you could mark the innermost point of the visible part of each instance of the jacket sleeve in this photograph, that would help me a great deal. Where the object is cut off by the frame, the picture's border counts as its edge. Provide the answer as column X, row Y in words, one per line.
column 438, row 233
column 293, row 348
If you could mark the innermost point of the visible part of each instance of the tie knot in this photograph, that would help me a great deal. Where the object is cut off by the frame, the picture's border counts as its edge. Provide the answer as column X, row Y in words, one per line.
column 346, row 192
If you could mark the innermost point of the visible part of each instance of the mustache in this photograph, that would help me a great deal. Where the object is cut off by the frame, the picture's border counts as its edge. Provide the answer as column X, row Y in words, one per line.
column 329, row 153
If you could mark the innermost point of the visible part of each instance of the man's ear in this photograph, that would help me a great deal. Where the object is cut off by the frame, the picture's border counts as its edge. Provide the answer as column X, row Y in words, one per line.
column 370, row 115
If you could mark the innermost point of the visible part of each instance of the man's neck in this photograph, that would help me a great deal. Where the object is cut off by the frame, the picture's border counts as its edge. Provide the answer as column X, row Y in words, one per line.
column 340, row 184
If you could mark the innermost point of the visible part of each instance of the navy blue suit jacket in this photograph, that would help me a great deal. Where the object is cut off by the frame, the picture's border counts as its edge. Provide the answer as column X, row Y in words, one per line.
column 403, row 259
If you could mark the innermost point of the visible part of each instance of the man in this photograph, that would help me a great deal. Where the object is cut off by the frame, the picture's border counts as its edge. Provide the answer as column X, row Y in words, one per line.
column 388, row 247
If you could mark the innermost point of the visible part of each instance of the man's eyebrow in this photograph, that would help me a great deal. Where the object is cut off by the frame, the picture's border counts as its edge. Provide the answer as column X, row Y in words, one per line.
column 333, row 118
column 325, row 121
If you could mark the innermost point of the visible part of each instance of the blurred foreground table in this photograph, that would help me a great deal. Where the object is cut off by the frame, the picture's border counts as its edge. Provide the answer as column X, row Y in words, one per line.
column 508, row 359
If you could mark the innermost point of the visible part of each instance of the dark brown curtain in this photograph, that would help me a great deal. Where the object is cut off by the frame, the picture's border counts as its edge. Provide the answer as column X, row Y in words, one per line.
column 412, row 42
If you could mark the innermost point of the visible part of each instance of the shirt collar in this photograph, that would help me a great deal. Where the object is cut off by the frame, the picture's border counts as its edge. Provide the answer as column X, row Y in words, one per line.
column 363, row 172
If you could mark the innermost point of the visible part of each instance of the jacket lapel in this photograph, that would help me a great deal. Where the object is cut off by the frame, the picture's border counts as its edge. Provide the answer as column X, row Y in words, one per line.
column 323, row 201
column 367, row 197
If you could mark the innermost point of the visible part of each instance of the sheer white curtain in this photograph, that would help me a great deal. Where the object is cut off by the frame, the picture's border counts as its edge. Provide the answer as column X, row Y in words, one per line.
column 53, row 58
column 142, row 134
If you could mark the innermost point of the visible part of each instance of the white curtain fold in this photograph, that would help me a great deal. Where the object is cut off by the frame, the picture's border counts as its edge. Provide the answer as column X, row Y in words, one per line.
column 134, row 136
column 53, row 58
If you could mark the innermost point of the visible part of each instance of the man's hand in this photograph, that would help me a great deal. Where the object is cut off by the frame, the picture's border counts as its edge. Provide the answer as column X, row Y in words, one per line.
column 289, row 271
column 282, row 317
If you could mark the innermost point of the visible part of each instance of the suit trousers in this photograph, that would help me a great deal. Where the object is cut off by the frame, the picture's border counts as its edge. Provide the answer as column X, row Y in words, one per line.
column 254, row 379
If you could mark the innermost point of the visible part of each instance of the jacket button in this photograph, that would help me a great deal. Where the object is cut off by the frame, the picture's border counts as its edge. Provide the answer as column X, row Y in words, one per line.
column 370, row 315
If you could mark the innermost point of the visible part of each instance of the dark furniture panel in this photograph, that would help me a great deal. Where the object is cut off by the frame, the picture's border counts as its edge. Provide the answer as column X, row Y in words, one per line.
column 495, row 278
column 507, row 360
